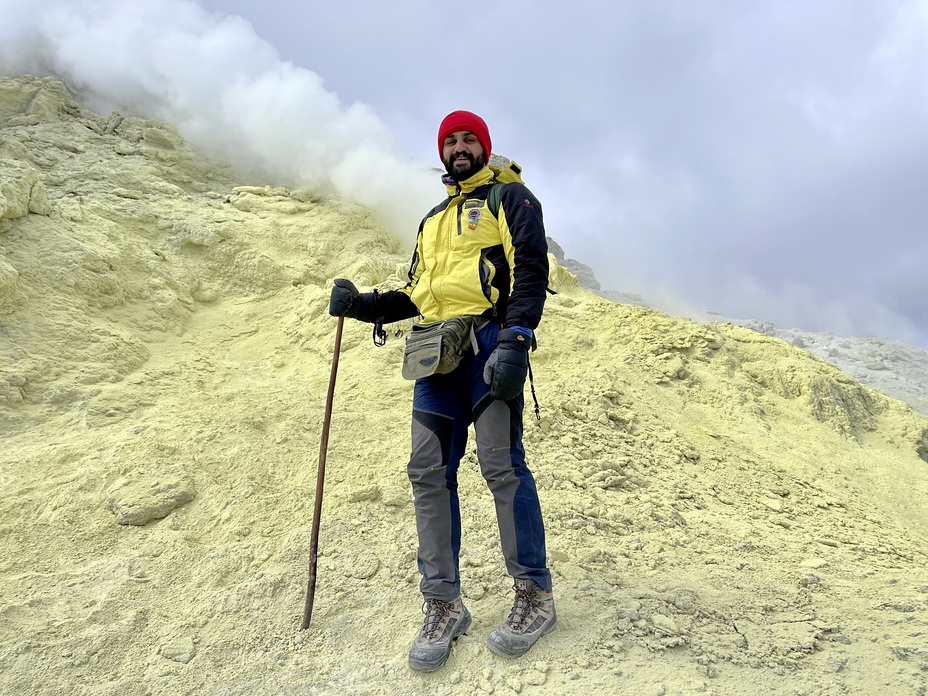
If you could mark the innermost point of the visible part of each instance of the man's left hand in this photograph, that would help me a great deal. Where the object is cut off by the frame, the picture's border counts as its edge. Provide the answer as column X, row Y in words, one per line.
column 507, row 366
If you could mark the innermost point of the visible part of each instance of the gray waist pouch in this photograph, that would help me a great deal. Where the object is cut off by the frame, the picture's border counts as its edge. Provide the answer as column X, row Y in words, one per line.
column 438, row 347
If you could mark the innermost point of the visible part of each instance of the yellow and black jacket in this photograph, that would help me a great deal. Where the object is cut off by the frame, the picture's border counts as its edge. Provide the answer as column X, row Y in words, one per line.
column 471, row 259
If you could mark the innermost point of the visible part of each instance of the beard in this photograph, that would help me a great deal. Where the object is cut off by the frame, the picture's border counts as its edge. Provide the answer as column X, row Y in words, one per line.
column 459, row 170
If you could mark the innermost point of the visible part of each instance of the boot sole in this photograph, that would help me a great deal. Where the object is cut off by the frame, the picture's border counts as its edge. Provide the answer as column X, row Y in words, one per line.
column 424, row 666
column 503, row 651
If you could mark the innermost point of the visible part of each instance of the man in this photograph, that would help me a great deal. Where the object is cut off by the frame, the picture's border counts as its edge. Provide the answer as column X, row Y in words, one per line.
column 473, row 258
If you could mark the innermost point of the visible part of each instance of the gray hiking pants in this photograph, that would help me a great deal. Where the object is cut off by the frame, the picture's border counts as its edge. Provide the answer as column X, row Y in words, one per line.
column 443, row 408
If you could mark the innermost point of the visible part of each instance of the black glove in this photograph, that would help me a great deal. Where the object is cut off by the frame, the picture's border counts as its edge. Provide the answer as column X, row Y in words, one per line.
column 507, row 366
column 346, row 300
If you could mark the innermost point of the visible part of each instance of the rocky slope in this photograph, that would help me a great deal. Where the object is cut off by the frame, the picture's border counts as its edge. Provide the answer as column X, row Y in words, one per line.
column 898, row 370
column 727, row 513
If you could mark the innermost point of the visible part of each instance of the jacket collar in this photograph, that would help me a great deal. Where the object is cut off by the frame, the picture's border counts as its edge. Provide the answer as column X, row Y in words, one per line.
column 481, row 178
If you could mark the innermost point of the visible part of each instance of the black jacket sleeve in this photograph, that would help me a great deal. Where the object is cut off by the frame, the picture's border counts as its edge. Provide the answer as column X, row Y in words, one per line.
column 394, row 305
column 523, row 215
column 385, row 307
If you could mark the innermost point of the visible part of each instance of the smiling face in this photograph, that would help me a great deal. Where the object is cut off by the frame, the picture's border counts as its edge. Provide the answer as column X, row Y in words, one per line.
column 463, row 155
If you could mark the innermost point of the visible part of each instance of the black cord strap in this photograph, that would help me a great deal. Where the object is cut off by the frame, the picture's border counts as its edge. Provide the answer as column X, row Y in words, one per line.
column 531, row 381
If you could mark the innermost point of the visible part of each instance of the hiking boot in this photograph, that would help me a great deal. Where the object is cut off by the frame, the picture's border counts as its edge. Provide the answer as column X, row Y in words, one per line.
column 532, row 616
column 444, row 621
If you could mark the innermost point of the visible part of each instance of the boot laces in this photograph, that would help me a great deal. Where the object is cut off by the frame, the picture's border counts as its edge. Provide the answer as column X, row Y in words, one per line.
column 525, row 602
column 435, row 610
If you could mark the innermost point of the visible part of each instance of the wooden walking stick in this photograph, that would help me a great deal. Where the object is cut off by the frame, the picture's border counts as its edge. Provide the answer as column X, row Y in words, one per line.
column 320, row 481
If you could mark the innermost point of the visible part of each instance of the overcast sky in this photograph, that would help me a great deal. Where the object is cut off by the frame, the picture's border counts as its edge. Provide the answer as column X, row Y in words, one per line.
column 763, row 160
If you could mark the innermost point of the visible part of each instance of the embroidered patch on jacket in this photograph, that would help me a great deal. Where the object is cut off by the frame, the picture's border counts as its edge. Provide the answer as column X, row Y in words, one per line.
column 473, row 215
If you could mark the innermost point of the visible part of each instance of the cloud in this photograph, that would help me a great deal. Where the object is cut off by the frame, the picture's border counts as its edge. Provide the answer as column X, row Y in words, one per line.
column 759, row 160
column 225, row 88
column 714, row 151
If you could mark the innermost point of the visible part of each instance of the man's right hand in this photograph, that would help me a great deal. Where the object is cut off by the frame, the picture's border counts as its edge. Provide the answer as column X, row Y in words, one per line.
column 345, row 299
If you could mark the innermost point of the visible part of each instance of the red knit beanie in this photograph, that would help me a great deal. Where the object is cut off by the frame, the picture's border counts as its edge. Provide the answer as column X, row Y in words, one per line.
column 465, row 121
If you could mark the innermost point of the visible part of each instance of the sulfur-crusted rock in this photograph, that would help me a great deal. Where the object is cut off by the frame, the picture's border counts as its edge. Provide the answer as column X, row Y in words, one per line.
column 17, row 180
column 148, row 495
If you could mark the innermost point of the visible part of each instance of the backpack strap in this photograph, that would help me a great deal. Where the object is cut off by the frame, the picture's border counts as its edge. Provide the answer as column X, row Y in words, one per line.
column 493, row 198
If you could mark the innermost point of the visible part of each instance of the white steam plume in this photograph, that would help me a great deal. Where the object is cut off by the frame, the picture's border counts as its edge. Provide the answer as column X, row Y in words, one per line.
column 225, row 89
